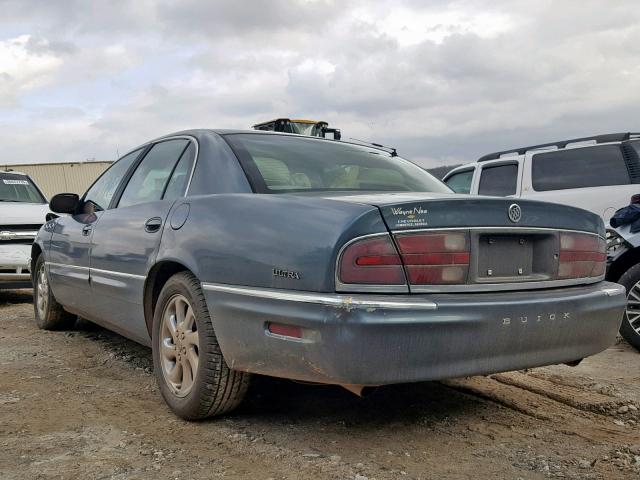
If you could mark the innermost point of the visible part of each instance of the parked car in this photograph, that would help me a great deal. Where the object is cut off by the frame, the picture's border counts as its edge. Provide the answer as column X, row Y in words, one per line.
column 23, row 208
column 232, row 252
column 623, row 267
column 597, row 173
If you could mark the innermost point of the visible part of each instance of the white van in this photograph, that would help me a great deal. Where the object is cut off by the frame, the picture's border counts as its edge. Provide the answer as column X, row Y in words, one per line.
column 598, row 173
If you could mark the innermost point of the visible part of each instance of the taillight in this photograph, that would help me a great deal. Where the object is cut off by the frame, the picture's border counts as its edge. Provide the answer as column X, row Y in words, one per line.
column 444, row 258
column 581, row 255
column 372, row 261
column 440, row 258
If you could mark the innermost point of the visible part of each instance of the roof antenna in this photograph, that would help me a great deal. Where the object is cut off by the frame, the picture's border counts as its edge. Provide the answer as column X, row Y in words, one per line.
column 391, row 150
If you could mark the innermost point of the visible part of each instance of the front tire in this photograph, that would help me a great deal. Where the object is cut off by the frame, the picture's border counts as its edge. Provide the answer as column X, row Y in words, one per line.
column 630, row 328
column 191, row 372
column 48, row 313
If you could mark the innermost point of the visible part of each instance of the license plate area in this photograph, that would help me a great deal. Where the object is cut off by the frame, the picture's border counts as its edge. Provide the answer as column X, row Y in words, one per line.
column 513, row 257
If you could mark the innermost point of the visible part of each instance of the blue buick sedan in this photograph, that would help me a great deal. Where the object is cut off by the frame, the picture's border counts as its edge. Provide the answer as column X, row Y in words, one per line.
column 234, row 253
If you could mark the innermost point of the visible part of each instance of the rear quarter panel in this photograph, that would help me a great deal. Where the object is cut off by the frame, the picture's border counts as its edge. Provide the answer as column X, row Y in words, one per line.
column 239, row 239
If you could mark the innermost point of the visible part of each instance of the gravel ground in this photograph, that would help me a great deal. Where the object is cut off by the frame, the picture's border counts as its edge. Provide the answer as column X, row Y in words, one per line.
column 84, row 404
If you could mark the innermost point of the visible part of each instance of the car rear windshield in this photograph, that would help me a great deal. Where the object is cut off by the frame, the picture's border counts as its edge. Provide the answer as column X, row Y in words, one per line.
column 282, row 164
column 18, row 188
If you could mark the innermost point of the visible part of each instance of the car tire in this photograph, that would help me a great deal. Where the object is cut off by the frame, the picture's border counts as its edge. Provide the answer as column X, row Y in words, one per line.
column 192, row 374
column 631, row 282
column 48, row 313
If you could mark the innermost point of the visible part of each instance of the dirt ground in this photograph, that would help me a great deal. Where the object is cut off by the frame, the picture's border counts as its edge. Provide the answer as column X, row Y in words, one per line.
column 84, row 404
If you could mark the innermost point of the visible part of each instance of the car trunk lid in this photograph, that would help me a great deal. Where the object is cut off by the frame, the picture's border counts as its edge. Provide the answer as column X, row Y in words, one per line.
column 405, row 211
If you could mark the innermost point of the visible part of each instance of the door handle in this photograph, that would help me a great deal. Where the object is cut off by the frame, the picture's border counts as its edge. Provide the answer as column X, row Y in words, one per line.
column 153, row 224
column 86, row 230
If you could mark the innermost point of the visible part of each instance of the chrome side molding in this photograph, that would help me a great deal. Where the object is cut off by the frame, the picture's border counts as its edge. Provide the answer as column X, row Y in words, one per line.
column 333, row 300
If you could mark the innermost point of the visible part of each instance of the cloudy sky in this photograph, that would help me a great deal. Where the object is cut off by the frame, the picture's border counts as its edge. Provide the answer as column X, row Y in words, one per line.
column 444, row 81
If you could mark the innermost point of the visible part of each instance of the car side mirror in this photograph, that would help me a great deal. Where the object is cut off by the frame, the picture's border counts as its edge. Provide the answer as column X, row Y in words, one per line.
column 64, row 203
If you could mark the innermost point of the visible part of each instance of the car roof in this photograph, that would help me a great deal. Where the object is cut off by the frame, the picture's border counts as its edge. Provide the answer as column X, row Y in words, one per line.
column 197, row 132
column 609, row 137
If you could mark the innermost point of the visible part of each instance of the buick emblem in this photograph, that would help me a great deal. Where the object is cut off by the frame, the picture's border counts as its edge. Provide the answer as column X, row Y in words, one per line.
column 515, row 213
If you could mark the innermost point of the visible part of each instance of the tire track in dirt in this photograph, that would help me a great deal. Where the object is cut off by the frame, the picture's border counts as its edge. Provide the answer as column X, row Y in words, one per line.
column 580, row 415
column 567, row 394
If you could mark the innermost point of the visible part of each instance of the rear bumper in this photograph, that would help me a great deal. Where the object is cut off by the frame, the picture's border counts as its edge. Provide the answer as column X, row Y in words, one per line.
column 15, row 262
column 384, row 339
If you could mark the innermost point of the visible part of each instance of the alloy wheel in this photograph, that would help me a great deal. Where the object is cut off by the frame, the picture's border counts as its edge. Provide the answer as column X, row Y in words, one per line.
column 179, row 347
column 42, row 300
column 632, row 313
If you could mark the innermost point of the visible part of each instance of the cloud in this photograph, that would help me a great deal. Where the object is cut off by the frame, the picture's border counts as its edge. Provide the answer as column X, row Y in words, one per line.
column 26, row 63
column 444, row 81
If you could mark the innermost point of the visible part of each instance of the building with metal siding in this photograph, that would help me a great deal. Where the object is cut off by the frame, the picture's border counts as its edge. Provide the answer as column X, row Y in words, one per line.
column 55, row 178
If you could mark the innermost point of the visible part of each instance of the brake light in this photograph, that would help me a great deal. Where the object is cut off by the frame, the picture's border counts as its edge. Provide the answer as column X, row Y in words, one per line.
column 581, row 255
column 372, row 261
column 435, row 258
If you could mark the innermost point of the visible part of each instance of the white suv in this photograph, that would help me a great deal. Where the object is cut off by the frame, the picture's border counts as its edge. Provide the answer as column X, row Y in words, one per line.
column 23, row 209
column 579, row 172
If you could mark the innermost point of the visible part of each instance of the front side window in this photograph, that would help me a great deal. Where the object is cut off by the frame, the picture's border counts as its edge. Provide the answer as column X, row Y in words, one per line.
column 18, row 188
column 579, row 168
column 460, row 182
column 499, row 181
column 148, row 182
column 281, row 164
column 99, row 195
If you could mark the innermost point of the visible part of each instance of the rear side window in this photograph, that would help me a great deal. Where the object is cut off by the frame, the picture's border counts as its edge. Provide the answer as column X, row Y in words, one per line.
column 499, row 181
column 579, row 168
column 460, row 182
column 180, row 177
column 150, row 178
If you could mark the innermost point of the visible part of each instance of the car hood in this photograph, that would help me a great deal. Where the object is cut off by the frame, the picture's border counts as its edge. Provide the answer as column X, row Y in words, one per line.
column 19, row 213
